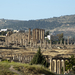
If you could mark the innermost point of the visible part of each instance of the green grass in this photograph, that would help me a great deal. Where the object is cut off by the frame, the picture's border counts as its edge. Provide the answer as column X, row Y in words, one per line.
column 32, row 69
column 4, row 68
column 25, row 69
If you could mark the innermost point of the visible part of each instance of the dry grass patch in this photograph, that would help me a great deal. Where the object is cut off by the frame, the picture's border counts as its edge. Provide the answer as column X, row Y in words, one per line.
column 33, row 69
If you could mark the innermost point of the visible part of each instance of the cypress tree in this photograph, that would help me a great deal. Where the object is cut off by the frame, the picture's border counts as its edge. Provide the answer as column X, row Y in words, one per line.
column 39, row 59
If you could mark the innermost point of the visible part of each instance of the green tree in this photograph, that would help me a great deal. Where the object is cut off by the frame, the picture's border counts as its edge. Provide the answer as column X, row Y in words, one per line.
column 39, row 59
column 3, row 33
column 73, row 69
column 46, row 33
column 60, row 36
column 70, row 64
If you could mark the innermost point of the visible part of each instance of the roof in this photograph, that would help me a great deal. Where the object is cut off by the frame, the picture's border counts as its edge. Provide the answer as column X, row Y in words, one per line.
column 3, row 29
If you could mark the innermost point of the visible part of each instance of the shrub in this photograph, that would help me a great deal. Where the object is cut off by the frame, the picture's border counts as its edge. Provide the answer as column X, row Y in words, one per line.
column 39, row 59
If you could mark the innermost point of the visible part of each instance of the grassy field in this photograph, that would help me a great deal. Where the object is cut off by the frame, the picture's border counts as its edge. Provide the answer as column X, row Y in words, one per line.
column 4, row 69
column 23, row 69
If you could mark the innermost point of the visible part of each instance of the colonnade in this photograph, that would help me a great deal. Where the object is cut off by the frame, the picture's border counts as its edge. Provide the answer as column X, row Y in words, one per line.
column 67, row 42
column 23, row 59
column 41, row 44
column 16, row 37
column 34, row 44
column 57, row 65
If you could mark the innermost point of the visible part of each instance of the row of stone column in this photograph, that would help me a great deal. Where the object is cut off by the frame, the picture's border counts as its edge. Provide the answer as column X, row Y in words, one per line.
column 44, row 44
column 65, row 43
column 18, row 37
column 20, row 58
column 23, row 59
column 57, row 65
column 21, row 42
column 38, row 34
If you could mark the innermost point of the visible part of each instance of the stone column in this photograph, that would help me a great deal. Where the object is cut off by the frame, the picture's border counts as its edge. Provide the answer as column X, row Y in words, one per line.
column 50, row 64
column 43, row 34
column 39, row 34
column 33, row 34
column 16, row 42
column 68, row 41
column 36, row 44
column 25, row 43
column 13, row 57
column 19, row 58
column 50, row 44
column 7, row 42
column 22, row 42
column 14, row 38
column 29, row 35
column 64, row 42
column 64, row 66
column 11, row 38
column 55, row 66
column 40, row 43
column 19, row 39
column 59, row 68
column 30, row 58
column 36, row 34
column 60, row 42
column 30, row 43
column 45, row 43
column 57, row 43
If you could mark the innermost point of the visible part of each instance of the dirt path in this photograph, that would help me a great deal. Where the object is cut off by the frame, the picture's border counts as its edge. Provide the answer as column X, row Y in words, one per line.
column 13, row 70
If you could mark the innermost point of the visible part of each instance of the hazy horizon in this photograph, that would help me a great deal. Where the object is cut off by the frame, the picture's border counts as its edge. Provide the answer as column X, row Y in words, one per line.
column 35, row 19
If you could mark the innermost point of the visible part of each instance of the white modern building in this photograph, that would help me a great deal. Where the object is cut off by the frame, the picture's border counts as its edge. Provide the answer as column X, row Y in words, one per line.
column 52, row 37
column 5, row 30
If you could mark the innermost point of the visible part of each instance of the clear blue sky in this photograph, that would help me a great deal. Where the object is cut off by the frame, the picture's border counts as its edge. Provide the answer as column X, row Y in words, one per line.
column 35, row 9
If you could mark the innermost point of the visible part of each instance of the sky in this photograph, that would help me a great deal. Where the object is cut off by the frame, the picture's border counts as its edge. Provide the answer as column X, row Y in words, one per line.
column 35, row 9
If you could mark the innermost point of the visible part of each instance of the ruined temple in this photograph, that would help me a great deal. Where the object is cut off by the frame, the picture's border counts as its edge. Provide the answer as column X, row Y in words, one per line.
column 34, row 36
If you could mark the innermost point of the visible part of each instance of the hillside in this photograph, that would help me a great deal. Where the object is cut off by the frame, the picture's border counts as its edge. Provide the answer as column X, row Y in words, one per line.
column 15, row 68
column 65, row 24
